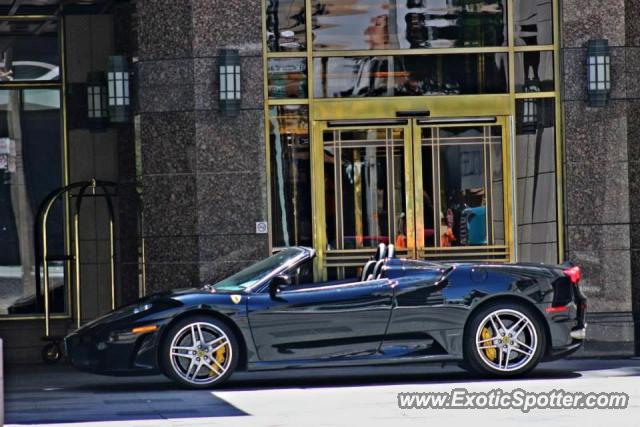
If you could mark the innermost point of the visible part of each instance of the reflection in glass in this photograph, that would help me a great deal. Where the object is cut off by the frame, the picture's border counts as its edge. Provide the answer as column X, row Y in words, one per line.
column 286, row 30
column 428, row 207
column 466, row 163
column 410, row 75
column 533, row 22
column 290, row 175
column 287, row 78
column 365, row 188
column 536, row 181
column 415, row 24
column 496, row 184
column 534, row 71
column 463, row 191
column 30, row 167
column 29, row 51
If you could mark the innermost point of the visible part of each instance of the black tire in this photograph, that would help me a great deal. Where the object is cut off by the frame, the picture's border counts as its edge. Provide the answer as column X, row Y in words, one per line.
column 51, row 353
column 173, row 367
column 483, row 361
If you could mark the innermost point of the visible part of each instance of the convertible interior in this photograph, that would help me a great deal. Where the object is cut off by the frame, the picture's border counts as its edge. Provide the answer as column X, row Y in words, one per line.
column 302, row 275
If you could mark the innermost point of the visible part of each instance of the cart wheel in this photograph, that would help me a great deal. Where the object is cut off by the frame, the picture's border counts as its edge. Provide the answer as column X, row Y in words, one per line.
column 51, row 353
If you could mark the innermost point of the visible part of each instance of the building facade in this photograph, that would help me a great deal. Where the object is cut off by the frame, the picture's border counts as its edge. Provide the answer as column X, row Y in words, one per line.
column 454, row 129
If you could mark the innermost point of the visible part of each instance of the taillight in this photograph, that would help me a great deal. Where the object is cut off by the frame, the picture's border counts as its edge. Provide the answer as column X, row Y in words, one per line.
column 573, row 273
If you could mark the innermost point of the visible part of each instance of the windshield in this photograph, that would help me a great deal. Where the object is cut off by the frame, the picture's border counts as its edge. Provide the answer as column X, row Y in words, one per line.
column 257, row 272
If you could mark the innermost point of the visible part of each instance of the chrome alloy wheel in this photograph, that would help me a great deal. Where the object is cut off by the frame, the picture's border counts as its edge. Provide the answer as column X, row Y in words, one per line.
column 506, row 340
column 200, row 353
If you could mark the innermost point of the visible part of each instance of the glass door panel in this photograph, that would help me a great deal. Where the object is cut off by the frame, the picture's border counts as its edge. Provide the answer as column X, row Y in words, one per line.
column 434, row 191
column 365, row 193
column 462, row 192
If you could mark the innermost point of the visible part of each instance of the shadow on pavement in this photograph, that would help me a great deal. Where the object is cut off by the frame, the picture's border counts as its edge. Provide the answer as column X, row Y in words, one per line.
column 56, row 394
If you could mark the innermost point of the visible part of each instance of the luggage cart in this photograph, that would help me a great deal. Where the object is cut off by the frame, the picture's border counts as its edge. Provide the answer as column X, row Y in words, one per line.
column 52, row 352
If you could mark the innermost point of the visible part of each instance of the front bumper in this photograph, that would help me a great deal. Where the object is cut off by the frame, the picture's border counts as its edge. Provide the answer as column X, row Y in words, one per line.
column 112, row 353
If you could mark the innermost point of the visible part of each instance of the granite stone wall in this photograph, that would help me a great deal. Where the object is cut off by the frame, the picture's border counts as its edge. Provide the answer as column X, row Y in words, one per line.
column 203, row 174
column 600, row 162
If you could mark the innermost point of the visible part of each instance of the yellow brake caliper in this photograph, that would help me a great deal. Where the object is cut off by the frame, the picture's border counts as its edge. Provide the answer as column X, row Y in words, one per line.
column 490, row 352
column 220, row 357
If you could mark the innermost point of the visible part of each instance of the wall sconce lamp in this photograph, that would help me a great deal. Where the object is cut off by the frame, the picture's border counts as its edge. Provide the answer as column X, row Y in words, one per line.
column 118, row 89
column 230, row 93
column 97, row 109
column 598, row 72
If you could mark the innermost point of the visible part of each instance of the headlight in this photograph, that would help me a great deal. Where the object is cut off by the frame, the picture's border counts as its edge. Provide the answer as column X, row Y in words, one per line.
column 120, row 313
column 141, row 308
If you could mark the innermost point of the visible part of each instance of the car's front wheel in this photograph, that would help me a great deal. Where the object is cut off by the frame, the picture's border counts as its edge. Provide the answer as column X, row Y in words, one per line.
column 199, row 352
column 504, row 339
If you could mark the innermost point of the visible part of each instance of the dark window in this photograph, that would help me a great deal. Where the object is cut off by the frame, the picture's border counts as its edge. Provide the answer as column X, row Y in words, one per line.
column 536, row 180
column 30, row 167
column 410, row 75
column 290, row 176
column 534, row 71
column 287, row 78
column 30, row 51
column 286, row 30
column 533, row 22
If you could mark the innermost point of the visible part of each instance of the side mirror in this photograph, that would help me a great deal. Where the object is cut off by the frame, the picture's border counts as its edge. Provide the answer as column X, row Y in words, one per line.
column 278, row 282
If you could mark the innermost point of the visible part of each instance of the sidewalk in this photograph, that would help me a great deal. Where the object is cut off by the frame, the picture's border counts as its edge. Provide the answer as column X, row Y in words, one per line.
column 59, row 394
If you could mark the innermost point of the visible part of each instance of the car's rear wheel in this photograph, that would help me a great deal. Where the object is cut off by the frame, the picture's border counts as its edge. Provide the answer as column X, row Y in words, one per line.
column 504, row 339
column 199, row 352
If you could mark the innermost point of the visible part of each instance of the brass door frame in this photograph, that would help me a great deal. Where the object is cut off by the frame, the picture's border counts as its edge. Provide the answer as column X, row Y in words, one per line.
column 413, row 180
column 502, row 253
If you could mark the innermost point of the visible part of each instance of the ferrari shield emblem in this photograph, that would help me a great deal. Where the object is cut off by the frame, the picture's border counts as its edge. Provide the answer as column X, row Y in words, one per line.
column 236, row 298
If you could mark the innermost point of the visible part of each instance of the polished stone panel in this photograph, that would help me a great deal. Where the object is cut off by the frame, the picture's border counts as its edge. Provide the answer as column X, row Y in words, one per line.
column 204, row 97
column 234, row 24
column 106, row 152
column 230, row 203
column 222, row 145
column 165, row 85
column 632, row 68
column 608, row 334
column 597, row 193
column 78, row 48
column 632, row 22
column 165, row 72
column 167, row 276
column 169, row 205
column 170, row 98
column 592, row 19
column 635, row 278
column 634, row 197
column 128, row 285
column 605, row 279
column 233, row 247
column 167, row 142
column 83, row 150
column 595, row 237
column 171, row 249
column 633, row 129
column 595, row 135
column 126, row 155
column 165, row 28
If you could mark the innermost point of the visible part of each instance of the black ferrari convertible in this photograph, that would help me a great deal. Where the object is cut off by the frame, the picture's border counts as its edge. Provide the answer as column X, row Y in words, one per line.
column 493, row 319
